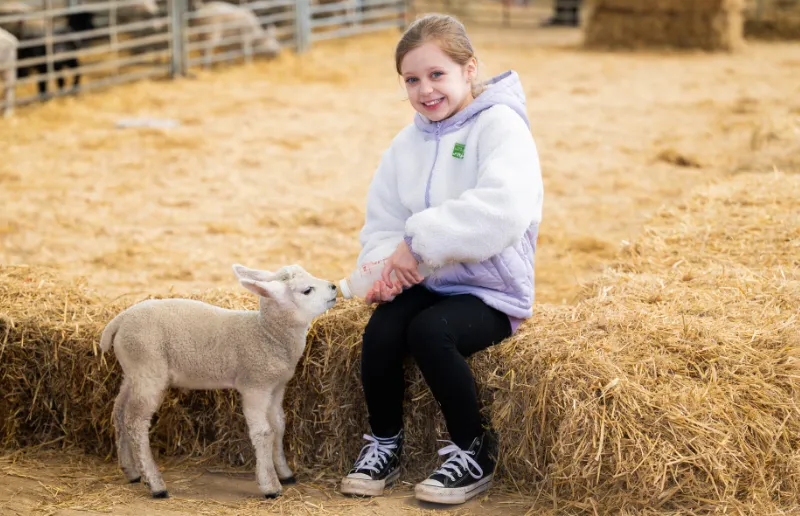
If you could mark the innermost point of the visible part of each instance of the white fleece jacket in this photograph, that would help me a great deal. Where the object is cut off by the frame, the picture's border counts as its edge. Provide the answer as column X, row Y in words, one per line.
column 485, row 185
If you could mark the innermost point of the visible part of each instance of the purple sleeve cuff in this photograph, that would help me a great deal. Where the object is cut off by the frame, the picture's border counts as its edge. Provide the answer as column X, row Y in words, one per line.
column 417, row 257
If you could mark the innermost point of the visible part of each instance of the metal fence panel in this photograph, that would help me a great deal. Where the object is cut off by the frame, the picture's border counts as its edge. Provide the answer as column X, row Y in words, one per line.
column 96, row 43
column 341, row 18
column 499, row 13
column 66, row 47
column 238, row 30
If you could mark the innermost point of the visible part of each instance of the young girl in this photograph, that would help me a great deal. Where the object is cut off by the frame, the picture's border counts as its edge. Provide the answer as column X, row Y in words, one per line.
column 459, row 190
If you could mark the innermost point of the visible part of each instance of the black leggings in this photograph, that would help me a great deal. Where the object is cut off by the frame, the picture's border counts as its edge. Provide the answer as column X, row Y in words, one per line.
column 439, row 332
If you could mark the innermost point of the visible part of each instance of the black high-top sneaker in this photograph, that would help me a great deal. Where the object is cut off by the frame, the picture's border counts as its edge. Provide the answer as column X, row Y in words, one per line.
column 377, row 466
column 465, row 473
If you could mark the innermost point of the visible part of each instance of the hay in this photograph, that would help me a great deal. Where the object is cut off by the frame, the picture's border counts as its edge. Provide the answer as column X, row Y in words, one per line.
column 773, row 20
column 673, row 384
column 712, row 25
column 709, row 31
column 668, row 6
column 773, row 29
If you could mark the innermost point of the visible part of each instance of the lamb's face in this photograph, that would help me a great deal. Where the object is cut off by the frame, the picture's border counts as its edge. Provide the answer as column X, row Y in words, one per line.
column 268, row 44
column 313, row 296
column 292, row 288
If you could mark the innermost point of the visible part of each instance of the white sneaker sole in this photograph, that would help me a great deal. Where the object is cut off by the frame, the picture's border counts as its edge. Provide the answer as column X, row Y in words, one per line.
column 364, row 487
column 453, row 495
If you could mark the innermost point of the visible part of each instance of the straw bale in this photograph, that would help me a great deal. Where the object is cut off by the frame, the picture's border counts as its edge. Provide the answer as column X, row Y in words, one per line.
column 773, row 20
column 711, row 31
column 673, row 384
column 783, row 27
column 668, row 6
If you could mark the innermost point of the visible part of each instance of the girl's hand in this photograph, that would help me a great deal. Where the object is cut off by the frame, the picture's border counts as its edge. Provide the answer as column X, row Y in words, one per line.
column 404, row 265
column 380, row 293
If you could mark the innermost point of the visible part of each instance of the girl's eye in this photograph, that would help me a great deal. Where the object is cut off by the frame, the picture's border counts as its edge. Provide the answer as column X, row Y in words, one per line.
column 410, row 80
column 436, row 75
column 308, row 291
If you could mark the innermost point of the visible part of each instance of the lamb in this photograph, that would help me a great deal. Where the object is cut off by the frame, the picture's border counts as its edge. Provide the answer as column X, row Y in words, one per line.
column 38, row 51
column 28, row 30
column 8, row 69
column 193, row 345
column 227, row 21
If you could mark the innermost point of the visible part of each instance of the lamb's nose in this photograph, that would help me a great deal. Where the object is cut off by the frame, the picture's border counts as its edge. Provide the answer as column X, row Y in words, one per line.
column 333, row 287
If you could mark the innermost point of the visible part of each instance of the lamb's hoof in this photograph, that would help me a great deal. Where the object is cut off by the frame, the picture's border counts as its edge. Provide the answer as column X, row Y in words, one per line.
column 135, row 480
column 271, row 496
column 288, row 481
column 160, row 494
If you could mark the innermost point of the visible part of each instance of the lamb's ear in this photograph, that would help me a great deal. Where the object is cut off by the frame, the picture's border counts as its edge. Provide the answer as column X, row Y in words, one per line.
column 243, row 272
column 276, row 290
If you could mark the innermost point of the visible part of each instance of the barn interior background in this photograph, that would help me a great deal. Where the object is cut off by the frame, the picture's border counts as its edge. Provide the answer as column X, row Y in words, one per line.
column 99, row 43
column 658, row 374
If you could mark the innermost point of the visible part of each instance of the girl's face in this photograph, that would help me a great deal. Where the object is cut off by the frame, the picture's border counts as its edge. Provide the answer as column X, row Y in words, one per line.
column 437, row 86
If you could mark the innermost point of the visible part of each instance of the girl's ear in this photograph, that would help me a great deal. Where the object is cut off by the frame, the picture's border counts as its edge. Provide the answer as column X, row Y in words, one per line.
column 472, row 69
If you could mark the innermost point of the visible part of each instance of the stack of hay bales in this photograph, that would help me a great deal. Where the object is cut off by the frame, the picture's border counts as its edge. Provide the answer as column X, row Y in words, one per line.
column 711, row 25
column 673, row 385
column 773, row 20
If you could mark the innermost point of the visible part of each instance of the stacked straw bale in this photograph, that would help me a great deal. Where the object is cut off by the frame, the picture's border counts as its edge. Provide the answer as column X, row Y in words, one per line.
column 672, row 385
column 775, row 20
column 712, row 25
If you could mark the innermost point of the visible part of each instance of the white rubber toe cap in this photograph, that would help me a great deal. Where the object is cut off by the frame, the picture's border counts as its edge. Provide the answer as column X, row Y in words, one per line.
column 359, row 476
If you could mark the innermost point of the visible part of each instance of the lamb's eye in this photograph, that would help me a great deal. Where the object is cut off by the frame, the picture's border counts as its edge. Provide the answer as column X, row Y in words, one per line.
column 308, row 291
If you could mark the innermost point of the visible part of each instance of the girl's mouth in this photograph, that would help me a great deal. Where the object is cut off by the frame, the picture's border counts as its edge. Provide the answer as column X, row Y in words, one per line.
column 433, row 103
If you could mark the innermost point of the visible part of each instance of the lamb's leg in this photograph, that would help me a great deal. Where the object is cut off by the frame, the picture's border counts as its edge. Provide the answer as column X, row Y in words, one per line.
column 144, row 399
column 124, row 453
column 254, row 405
column 277, row 421
column 60, row 80
column 247, row 47
column 41, row 71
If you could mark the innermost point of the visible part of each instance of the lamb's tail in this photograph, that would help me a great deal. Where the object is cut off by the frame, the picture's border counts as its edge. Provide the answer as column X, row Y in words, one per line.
column 109, row 332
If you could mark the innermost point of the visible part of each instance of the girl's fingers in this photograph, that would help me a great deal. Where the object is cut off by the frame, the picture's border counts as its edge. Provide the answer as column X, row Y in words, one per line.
column 404, row 277
column 386, row 273
column 393, row 291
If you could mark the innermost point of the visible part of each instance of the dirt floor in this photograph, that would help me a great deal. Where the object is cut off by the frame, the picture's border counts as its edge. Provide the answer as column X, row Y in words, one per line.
column 70, row 484
column 270, row 164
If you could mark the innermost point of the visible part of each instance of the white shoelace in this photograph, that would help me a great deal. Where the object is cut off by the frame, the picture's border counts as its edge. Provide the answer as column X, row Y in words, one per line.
column 377, row 452
column 459, row 461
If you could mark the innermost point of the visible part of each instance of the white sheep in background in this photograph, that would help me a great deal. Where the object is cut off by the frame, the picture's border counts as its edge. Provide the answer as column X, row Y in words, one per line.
column 8, row 69
column 229, row 21
column 193, row 345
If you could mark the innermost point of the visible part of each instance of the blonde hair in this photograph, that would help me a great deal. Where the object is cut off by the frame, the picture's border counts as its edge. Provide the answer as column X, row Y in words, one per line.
column 444, row 30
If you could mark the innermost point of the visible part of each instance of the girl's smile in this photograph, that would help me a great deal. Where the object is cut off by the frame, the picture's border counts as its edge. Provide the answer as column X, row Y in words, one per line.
column 437, row 86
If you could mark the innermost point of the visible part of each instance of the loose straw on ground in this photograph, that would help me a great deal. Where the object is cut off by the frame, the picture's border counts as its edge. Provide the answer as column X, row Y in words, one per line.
column 672, row 385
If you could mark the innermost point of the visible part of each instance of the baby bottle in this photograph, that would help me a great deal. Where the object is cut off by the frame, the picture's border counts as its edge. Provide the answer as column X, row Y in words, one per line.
column 361, row 279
